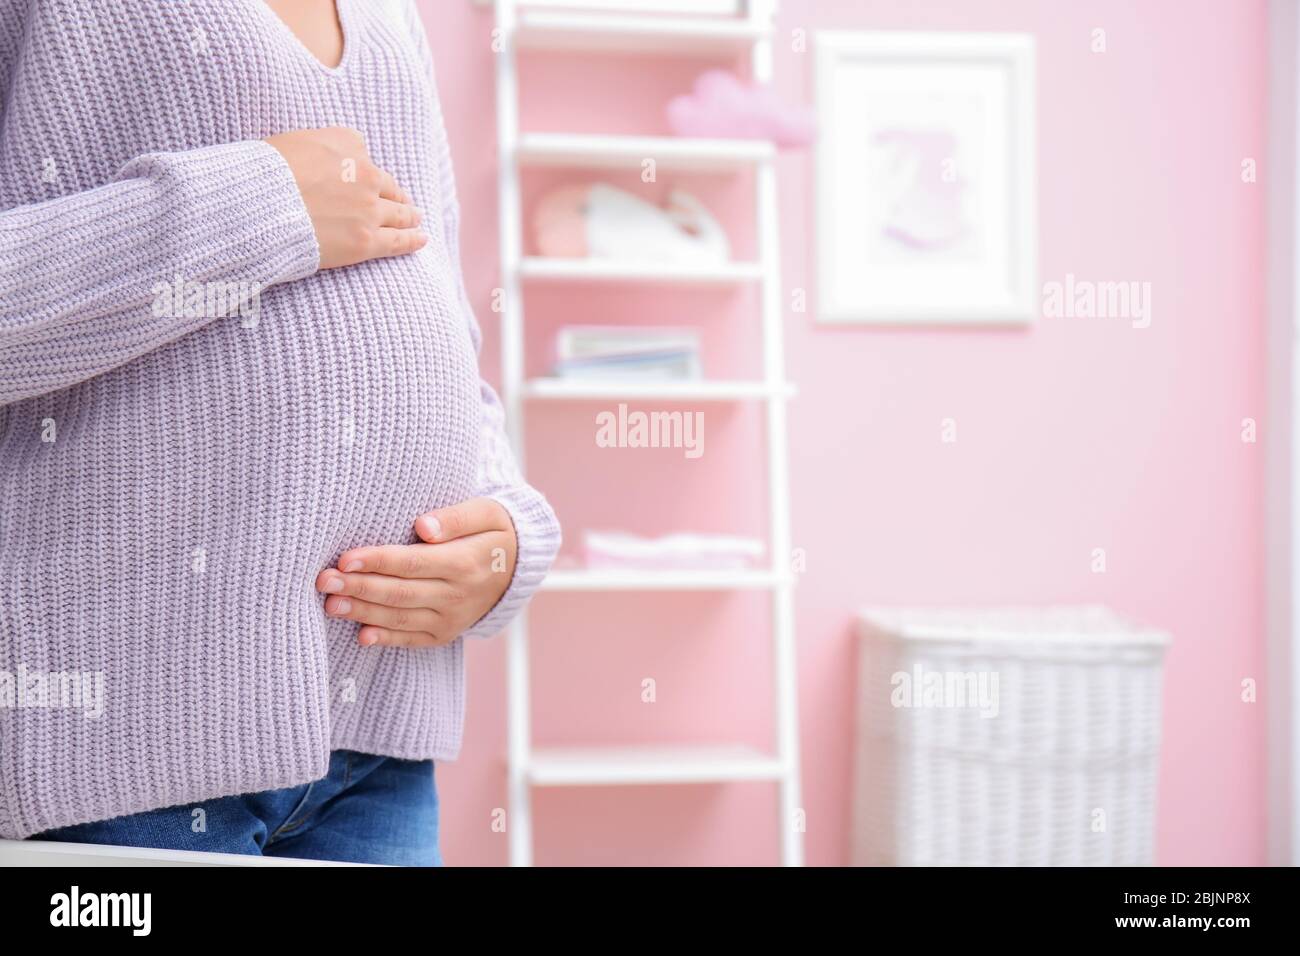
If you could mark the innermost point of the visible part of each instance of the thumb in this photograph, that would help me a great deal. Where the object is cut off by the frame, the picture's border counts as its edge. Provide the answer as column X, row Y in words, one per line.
column 473, row 516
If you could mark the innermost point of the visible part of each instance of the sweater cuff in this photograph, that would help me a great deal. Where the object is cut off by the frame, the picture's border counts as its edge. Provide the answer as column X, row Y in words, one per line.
column 537, row 532
column 240, row 209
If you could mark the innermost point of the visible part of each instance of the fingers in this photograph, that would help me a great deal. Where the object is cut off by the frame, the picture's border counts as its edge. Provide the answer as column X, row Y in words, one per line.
column 417, row 619
column 398, row 215
column 388, row 188
column 458, row 563
column 382, row 589
column 398, row 242
column 383, row 637
column 397, row 560
column 468, row 517
column 396, row 233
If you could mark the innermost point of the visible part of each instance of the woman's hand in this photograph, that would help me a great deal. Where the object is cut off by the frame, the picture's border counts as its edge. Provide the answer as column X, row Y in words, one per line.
column 358, row 210
column 425, row 595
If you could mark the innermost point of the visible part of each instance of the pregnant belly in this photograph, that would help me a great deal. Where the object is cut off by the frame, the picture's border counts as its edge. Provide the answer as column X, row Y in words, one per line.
column 240, row 455
column 350, row 408
column 361, row 406
column 392, row 392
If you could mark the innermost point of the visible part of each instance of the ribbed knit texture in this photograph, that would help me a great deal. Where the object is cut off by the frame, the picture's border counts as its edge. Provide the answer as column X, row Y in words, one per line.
column 169, row 486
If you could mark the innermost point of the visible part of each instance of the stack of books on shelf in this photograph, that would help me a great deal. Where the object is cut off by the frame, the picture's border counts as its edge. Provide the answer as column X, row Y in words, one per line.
column 627, row 352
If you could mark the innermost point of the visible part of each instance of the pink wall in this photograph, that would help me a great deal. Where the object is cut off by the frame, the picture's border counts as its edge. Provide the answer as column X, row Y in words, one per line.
column 1073, row 435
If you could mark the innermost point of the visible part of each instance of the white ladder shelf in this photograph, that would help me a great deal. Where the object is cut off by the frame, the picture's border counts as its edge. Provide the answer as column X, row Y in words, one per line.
column 750, row 30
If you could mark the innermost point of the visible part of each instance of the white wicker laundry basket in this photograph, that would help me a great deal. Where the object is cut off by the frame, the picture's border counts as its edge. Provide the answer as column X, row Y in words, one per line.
column 1017, row 737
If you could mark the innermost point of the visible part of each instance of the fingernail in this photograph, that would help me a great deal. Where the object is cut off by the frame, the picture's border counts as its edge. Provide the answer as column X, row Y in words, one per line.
column 341, row 606
column 353, row 565
column 367, row 639
column 430, row 527
column 332, row 584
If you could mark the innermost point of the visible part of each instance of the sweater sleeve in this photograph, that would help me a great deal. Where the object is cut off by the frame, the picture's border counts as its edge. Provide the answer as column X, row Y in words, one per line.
column 83, row 273
column 537, row 529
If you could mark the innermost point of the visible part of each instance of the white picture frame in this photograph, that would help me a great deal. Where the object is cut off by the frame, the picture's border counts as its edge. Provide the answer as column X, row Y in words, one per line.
column 926, row 178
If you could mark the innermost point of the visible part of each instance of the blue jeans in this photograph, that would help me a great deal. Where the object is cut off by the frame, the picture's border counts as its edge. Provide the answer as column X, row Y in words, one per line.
column 367, row 809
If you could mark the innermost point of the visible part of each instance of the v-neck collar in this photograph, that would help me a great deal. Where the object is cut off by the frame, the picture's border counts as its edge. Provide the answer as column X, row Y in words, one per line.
column 347, row 26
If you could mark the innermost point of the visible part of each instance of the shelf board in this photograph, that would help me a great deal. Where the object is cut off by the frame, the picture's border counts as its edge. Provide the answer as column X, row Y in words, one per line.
column 629, row 765
column 683, row 36
column 670, row 153
column 717, row 8
column 559, row 389
column 582, row 579
column 542, row 269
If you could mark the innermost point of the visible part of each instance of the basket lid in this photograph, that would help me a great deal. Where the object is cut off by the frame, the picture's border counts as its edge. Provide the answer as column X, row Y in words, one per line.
column 1081, row 624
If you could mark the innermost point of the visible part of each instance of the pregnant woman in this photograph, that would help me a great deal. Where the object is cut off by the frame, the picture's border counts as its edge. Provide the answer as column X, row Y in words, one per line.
column 253, row 492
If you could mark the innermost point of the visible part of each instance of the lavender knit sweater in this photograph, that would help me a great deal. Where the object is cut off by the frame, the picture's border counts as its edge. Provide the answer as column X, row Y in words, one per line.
column 173, row 477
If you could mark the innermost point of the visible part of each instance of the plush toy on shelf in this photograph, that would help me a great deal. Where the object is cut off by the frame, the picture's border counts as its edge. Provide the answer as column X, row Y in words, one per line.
column 600, row 221
column 723, row 107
